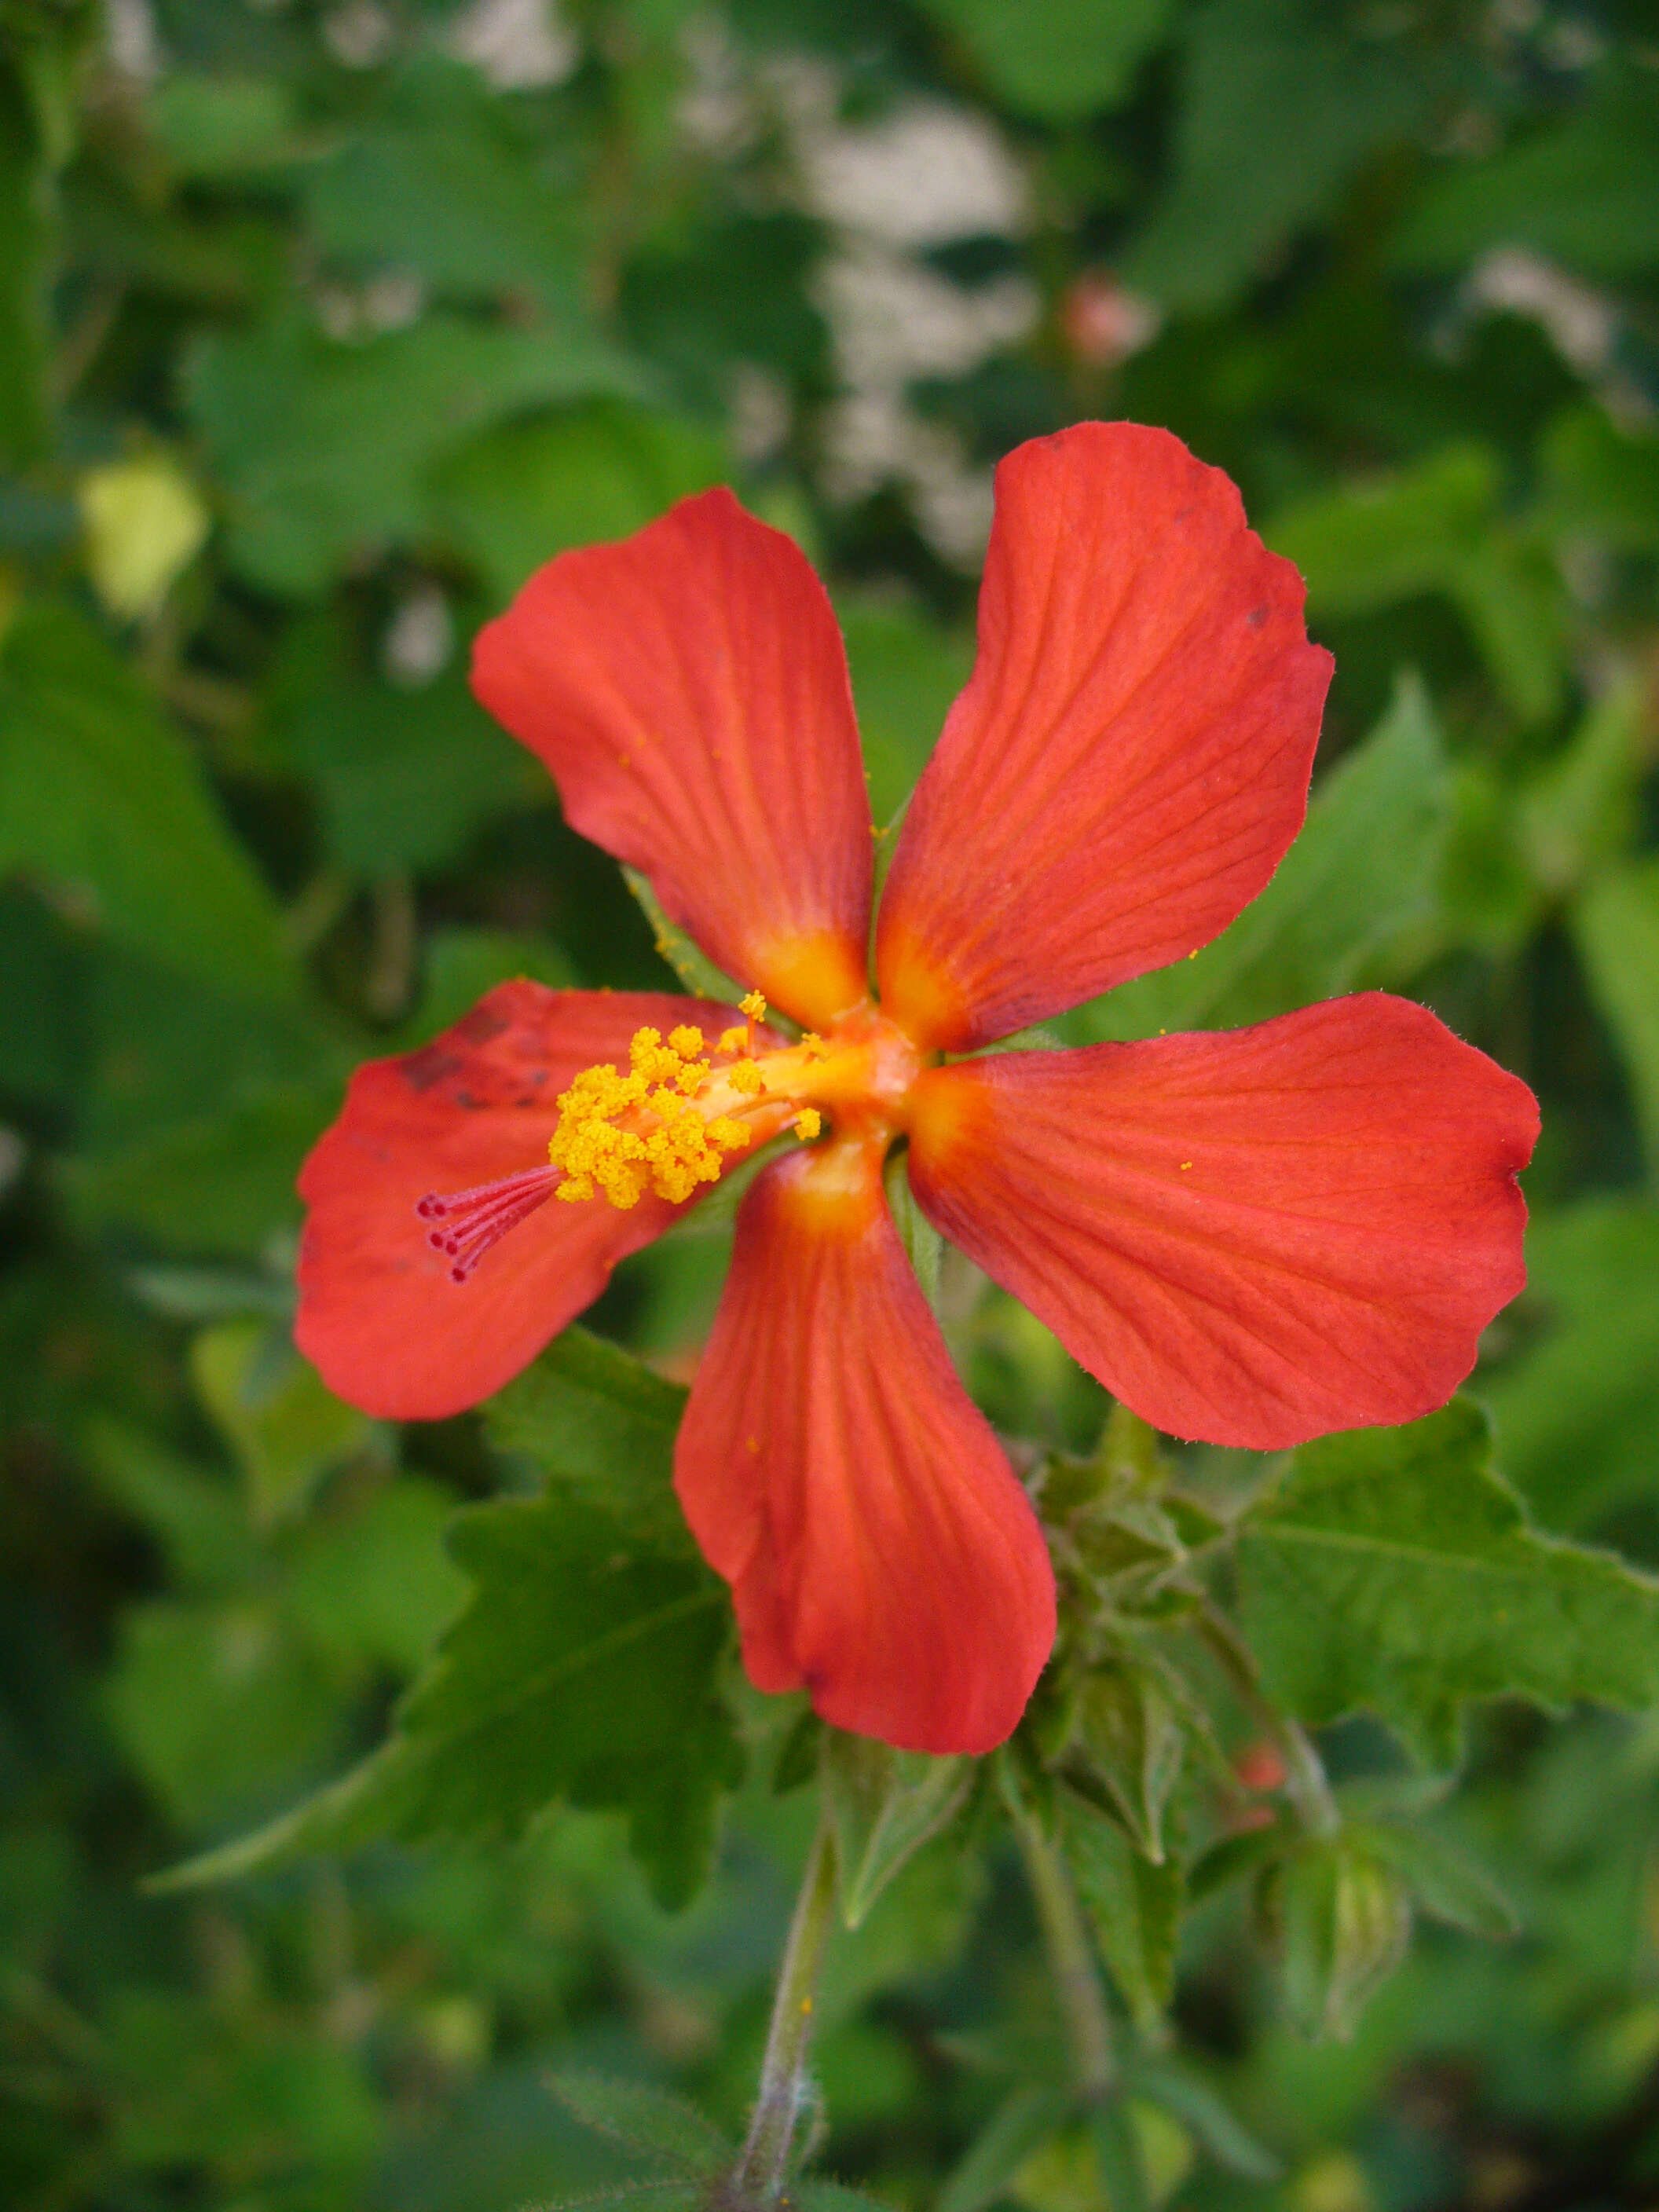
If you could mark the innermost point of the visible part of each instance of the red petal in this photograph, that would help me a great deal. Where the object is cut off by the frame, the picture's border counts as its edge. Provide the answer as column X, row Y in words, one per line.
column 836, row 1472
column 1254, row 1237
column 1130, row 757
column 687, row 689
column 379, row 1316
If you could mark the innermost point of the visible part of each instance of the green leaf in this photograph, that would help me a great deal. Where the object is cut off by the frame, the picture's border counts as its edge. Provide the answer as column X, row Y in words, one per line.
column 1615, row 926
column 646, row 2120
column 1360, row 872
column 1133, row 1906
column 1376, row 540
column 1395, row 1571
column 453, row 196
column 884, row 1805
column 1163, row 2081
column 1060, row 62
column 166, row 1058
column 43, row 1042
column 1576, row 1408
column 1489, row 897
column 1509, row 592
column 221, row 126
column 260, row 2097
column 404, row 778
column 102, row 800
column 1440, row 1879
column 218, row 1705
column 1600, row 480
column 462, row 964
column 833, row 2196
column 1234, row 1858
column 223, row 1183
column 1017, row 2127
column 523, row 492
column 27, row 240
column 1116, row 2141
column 583, row 1671
column 197, row 1516
column 1134, row 1737
column 1241, row 193
column 600, row 1425
column 1581, row 811
column 1585, row 190
column 286, row 1429
column 376, row 1582
column 1435, row 527
column 906, row 673
column 322, row 448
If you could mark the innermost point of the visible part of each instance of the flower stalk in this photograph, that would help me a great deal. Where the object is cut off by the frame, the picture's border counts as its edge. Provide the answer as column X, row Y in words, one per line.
column 763, row 2167
column 1071, row 1956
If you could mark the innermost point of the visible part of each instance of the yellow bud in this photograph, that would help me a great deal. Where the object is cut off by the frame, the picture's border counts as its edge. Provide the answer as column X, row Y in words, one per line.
column 145, row 522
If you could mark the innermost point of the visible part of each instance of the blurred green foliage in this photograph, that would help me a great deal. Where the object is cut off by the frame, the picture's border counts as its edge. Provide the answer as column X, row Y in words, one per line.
column 320, row 326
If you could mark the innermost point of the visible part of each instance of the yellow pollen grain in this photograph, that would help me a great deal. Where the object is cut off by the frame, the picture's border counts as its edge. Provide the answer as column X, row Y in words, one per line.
column 809, row 1123
column 746, row 1077
column 754, row 1005
column 735, row 1040
column 1185, row 1164
column 626, row 1135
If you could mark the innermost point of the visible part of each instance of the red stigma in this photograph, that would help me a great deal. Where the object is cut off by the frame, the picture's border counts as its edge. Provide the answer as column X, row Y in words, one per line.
column 475, row 1220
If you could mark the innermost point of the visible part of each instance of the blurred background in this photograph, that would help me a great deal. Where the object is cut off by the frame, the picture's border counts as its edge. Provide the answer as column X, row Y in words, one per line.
column 320, row 327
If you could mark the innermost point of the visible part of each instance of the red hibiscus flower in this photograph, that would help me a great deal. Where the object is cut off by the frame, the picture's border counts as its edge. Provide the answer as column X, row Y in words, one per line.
column 1251, row 1238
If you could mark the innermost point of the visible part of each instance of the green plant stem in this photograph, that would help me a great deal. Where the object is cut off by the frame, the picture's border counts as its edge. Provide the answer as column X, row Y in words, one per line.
column 1071, row 1956
column 762, row 2169
column 1306, row 1784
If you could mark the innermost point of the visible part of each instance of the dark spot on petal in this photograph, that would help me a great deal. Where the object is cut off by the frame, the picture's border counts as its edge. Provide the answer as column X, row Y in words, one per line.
column 436, row 1062
column 1256, row 616
column 433, row 1064
column 478, row 1027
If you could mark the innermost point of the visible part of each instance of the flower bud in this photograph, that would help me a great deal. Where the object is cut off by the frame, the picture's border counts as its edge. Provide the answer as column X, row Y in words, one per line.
column 1339, row 1921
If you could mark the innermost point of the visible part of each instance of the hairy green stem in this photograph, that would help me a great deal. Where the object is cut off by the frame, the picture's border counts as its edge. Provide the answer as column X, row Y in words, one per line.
column 762, row 2169
column 1070, row 1955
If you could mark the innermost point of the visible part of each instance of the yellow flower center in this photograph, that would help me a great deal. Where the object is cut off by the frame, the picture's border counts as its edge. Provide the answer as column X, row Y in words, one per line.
column 682, row 1108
